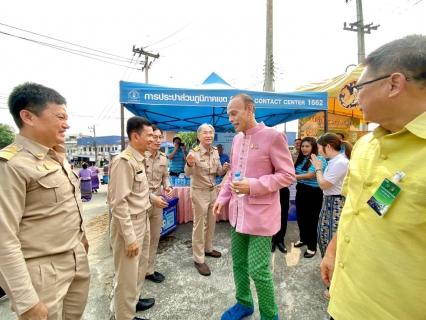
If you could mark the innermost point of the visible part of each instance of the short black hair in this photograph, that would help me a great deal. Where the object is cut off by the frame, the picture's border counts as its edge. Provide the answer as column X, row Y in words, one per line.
column 176, row 138
column 32, row 97
column 406, row 55
column 136, row 124
column 155, row 127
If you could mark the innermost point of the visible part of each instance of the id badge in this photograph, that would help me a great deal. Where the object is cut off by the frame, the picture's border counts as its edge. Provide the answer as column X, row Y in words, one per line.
column 384, row 197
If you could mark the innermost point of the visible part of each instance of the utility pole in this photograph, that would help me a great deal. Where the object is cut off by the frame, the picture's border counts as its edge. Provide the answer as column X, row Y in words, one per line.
column 147, row 65
column 360, row 29
column 269, row 61
column 94, row 143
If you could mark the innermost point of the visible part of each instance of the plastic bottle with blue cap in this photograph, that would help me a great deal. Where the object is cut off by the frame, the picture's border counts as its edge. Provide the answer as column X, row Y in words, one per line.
column 238, row 178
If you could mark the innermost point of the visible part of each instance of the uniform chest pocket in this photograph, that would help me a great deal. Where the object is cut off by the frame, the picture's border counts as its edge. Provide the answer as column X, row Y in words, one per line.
column 138, row 183
column 203, row 167
column 161, row 169
column 52, row 189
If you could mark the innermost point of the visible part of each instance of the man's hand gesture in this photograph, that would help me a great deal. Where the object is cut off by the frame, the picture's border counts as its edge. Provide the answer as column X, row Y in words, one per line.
column 190, row 159
column 159, row 202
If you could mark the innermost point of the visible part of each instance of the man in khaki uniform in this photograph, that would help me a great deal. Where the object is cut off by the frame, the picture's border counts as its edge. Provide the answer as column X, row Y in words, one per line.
column 43, row 266
column 203, row 165
column 128, row 197
column 157, row 173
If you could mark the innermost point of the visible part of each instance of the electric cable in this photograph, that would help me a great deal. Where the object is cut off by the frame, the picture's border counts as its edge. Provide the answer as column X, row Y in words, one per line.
column 3, row 24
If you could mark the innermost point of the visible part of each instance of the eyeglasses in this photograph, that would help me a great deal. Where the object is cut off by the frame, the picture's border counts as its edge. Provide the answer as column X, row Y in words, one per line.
column 158, row 137
column 358, row 87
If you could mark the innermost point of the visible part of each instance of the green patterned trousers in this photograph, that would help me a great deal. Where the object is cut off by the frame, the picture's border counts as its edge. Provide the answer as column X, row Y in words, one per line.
column 251, row 257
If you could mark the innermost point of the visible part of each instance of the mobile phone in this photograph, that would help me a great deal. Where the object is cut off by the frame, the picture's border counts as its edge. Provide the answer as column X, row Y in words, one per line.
column 181, row 144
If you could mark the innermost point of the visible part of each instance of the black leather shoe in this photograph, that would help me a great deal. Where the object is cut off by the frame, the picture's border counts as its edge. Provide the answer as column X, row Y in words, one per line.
column 145, row 304
column 299, row 244
column 272, row 247
column 282, row 247
column 308, row 255
column 136, row 318
column 155, row 277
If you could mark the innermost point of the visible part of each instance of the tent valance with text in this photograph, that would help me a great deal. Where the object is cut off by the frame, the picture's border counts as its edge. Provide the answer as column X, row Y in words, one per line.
column 185, row 109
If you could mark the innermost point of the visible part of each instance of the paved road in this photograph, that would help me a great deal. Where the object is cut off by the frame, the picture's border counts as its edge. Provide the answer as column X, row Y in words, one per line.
column 185, row 294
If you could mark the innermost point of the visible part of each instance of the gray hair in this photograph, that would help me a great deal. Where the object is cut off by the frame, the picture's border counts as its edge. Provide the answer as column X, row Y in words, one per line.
column 203, row 126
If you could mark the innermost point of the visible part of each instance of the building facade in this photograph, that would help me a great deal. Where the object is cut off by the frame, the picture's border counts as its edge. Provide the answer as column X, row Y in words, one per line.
column 89, row 149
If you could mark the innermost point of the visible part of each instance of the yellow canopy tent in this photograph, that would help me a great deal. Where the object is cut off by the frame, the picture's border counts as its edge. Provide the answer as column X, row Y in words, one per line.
column 340, row 93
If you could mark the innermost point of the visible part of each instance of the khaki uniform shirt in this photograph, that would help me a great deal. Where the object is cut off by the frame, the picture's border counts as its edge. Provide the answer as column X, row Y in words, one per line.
column 41, row 213
column 207, row 166
column 128, row 191
column 157, row 173
column 294, row 155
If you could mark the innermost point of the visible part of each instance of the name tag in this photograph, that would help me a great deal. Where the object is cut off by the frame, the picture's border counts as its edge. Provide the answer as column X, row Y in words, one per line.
column 384, row 197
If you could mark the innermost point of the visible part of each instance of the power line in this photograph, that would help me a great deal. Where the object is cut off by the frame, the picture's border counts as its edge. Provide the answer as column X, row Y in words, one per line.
column 66, row 50
column 172, row 44
column 169, row 35
column 102, row 115
column 62, row 41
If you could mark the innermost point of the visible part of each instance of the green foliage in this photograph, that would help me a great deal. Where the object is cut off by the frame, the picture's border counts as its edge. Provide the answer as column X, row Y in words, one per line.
column 7, row 135
column 189, row 138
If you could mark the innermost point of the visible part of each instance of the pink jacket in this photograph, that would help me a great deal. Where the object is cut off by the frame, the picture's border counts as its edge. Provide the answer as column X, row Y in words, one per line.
column 262, row 155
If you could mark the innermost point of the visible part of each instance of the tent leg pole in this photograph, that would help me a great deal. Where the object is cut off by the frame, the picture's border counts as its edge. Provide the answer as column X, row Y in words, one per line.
column 325, row 121
column 123, row 144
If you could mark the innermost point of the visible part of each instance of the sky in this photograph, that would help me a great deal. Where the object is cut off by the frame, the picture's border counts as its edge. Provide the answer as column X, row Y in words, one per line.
column 193, row 38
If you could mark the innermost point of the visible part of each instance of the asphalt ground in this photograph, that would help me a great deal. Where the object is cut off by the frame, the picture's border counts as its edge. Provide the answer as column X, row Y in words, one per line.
column 185, row 294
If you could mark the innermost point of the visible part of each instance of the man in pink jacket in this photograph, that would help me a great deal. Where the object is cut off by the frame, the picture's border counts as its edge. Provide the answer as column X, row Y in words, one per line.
column 262, row 157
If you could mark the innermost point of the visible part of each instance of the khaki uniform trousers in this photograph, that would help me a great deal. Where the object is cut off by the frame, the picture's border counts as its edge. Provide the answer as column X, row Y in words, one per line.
column 155, row 224
column 129, row 272
column 204, row 223
column 62, row 282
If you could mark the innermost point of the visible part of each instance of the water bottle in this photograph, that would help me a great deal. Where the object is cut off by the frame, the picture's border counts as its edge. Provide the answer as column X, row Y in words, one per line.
column 238, row 178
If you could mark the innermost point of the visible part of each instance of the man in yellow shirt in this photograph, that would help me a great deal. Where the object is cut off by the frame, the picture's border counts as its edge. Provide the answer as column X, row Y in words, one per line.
column 377, row 265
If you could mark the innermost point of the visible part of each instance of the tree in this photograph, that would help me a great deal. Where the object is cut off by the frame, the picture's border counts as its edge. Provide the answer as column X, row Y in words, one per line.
column 189, row 138
column 7, row 135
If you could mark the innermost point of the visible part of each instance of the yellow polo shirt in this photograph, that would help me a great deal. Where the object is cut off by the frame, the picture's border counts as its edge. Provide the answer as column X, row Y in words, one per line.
column 380, row 270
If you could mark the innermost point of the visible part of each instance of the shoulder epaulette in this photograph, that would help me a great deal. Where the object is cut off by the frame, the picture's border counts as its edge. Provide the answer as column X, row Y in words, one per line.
column 8, row 152
column 196, row 148
column 163, row 154
column 126, row 155
column 215, row 148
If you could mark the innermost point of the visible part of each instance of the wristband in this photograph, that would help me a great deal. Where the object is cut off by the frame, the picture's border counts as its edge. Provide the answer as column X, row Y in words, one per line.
column 316, row 170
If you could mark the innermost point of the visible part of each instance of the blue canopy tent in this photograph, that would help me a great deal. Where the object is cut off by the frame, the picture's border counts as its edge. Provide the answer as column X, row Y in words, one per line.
column 185, row 109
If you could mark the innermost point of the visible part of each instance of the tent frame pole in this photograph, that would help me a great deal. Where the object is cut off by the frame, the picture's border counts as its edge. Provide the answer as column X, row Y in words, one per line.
column 325, row 121
column 123, row 144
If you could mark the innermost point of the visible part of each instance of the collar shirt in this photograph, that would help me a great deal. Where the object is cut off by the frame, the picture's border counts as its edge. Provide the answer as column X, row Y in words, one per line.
column 177, row 164
column 262, row 156
column 157, row 173
column 380, row 268
column 207, row 166
column 40, row 212
column 223, row 158
column 311, row 182
column 335, row 173
column 128, row 191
